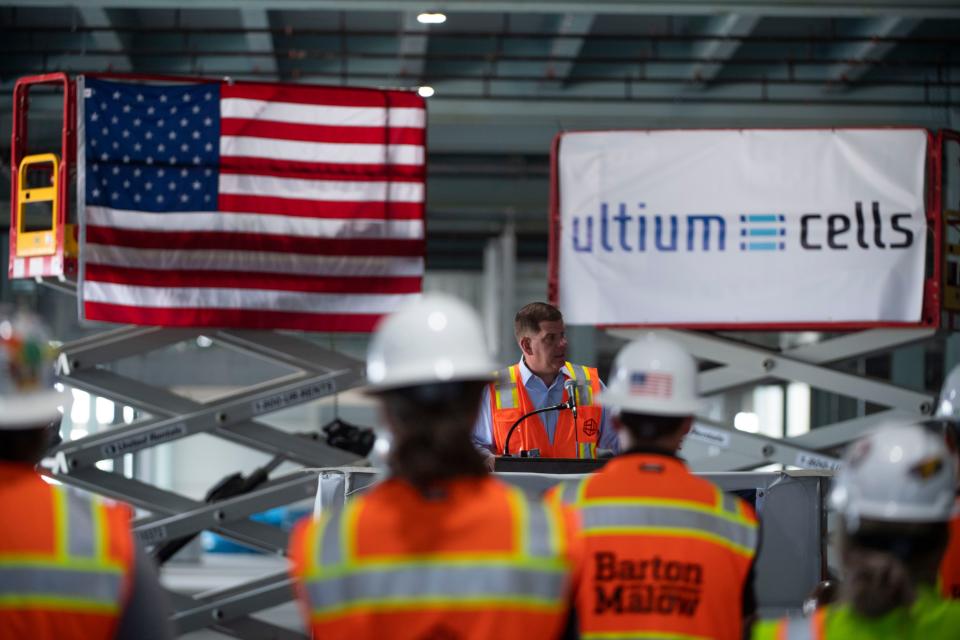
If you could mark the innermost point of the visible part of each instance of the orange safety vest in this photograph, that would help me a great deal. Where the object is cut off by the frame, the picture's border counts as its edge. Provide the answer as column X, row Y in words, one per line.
column 950, row 565
column 509, row 400
column 66, row 562
column 667, row 554
column 483, row 561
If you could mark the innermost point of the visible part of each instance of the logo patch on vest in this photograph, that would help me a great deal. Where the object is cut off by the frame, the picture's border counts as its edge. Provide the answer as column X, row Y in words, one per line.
column 590, row 427
column 646, row 586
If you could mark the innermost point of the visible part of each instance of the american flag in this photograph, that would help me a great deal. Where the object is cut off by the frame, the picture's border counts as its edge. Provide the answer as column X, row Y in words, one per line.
column 250, row 205
column 651, row 384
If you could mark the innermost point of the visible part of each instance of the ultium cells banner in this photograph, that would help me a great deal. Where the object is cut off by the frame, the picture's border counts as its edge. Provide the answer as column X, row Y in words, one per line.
column 741, row 227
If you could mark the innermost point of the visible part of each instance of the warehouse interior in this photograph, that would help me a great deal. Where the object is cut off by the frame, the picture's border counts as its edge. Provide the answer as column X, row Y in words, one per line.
column 501, row 80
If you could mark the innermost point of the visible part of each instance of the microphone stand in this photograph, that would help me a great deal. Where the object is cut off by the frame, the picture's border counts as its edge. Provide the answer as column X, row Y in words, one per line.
column 571, row 388
column 556, row 407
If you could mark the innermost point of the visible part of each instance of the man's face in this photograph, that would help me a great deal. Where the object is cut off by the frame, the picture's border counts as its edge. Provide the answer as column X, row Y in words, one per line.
column 547, row 349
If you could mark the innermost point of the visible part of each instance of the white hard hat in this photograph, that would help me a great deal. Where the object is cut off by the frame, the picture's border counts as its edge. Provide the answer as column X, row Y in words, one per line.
column 28, row 398
column 433, row 339
column 948, row 407
column 654, row 376
column 901, row 472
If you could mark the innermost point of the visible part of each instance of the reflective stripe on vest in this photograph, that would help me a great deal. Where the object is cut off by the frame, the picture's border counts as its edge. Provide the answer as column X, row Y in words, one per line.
column 447, row 584
column 723, row 524
column 533, row 577
column 38, row 583
column 583, row 380
column 572, row 492
column 506, row 392
column 79, row 576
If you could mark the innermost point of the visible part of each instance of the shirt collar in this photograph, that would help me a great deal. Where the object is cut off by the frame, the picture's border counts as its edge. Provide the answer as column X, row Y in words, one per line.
column 526, row 374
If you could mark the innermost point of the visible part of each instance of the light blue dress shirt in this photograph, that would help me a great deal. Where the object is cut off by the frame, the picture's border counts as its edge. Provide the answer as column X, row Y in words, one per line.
column 541, row 396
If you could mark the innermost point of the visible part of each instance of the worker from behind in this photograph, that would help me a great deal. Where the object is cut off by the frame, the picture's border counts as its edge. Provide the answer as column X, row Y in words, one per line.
column 542, row 378
column 948, row 413
column 667, row 554
column 893, row 493
column 69, row 567
column 439, row 549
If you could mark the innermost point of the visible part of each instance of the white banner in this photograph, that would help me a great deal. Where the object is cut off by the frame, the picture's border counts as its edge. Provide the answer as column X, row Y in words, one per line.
column 742, row 227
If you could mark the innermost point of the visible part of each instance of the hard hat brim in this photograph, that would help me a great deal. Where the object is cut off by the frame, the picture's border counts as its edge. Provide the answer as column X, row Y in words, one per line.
column 31, row 411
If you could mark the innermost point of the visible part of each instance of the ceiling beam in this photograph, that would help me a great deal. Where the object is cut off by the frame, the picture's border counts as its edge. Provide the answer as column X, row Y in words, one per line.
column 260, row 40
column 413, row 46
column 571, row 33
column 804, row 8
column 861, row 53
column 94, row 16
column 726, row 26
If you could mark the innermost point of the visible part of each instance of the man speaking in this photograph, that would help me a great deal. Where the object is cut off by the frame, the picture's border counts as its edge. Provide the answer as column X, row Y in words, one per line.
column 543, row 378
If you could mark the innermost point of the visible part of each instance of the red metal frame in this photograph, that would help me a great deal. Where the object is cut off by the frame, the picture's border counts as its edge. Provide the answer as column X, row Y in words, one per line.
column 943, row 136
column 553, row 240
column 68, row 150
column 930, row 314
column 150, row 77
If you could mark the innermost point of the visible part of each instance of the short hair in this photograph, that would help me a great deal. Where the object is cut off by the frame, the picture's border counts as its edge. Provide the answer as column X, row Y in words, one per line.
column 431, row 427
column 24, row 445
column 643, row 427
column 886, row 561
column 528, row 319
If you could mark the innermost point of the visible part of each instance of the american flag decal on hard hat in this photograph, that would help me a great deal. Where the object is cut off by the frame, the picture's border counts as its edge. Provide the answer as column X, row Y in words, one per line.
column 659, row 385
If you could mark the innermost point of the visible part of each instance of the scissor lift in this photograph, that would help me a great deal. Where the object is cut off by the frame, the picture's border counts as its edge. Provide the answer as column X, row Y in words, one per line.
column 43, row 243
column 319, row 373
column 716, row 447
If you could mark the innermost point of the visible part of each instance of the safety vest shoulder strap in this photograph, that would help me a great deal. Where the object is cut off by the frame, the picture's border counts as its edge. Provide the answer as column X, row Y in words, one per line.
column 81, row 527
column 572, row 492
column 539, row 526
column 794, row 629
column 505, row 388
column 587, row 382
column 79, row 575
column 812, row 628
column 330, row 544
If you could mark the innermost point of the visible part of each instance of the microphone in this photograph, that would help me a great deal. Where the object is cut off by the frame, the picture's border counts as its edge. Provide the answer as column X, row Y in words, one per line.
column 570, row 386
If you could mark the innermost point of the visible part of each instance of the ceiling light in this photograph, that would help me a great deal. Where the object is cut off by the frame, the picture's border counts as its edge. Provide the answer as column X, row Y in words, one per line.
column 431, row 18
column 425, row 92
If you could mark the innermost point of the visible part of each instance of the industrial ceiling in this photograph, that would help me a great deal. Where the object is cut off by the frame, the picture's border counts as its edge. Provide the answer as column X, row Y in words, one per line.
column 508, row 76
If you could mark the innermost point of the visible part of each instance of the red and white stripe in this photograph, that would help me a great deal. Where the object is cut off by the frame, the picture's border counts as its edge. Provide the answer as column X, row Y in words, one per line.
column 320, row 221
